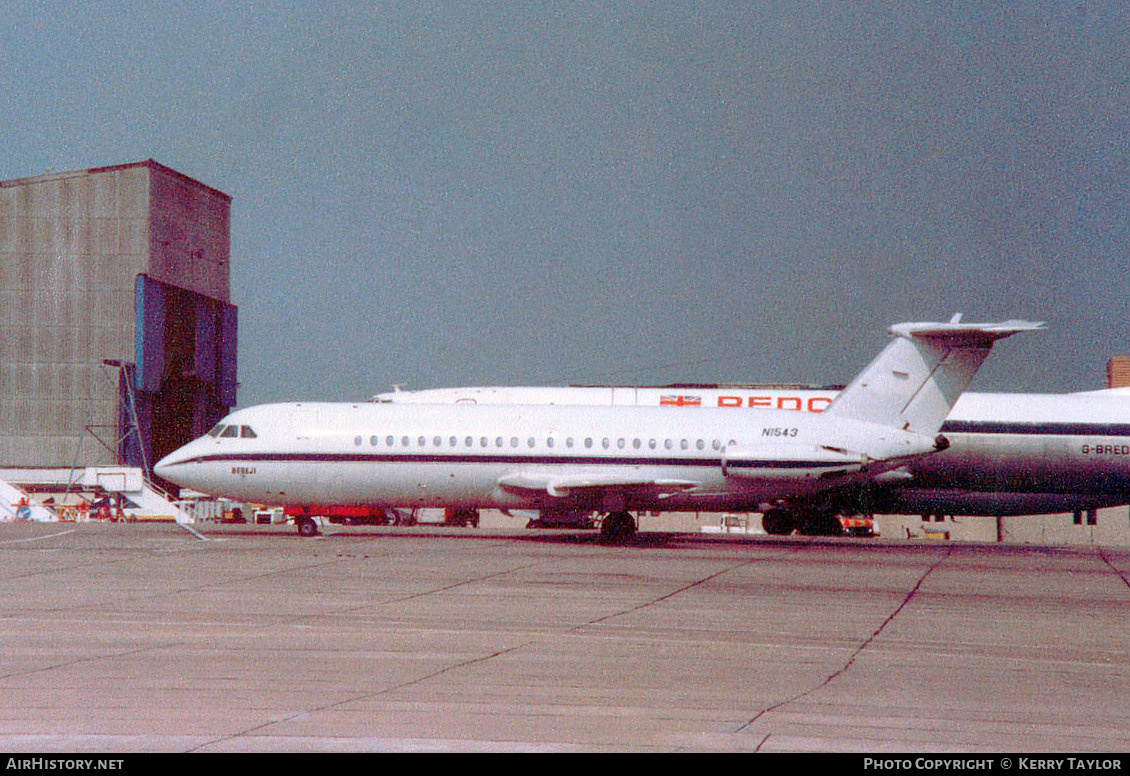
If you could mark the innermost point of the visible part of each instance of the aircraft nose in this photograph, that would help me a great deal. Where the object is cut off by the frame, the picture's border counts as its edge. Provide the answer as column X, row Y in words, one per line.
column 168, row 467
column 165, row 466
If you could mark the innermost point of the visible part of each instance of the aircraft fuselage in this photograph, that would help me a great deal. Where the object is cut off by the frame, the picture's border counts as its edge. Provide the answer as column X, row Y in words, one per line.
column 1009, row 454
column 531, row 456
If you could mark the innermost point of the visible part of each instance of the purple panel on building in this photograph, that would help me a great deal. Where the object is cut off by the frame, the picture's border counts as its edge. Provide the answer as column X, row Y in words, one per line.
column 229, row 336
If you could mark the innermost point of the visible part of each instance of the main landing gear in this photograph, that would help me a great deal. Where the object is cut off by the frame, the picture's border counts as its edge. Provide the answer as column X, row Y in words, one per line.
column 808, row 522
column 306, row 526
column 617, row 527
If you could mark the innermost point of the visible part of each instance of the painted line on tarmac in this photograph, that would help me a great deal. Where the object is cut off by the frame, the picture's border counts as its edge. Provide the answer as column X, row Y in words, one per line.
column 193, row 531
column 37, row 538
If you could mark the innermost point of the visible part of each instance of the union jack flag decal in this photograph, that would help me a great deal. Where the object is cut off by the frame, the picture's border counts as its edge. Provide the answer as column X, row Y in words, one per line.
column 680, row 401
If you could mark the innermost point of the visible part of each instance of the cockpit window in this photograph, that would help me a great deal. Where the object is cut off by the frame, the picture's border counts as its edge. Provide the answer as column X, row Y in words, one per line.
column 247, row 433
column 230, row 431
column 216, row 429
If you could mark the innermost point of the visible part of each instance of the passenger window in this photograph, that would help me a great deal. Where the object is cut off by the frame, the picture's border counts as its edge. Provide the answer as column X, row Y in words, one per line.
column 469, row 441
column 684, row 444
column 390, row 440
column 667, row 443
column 636, row 443
column 530, row 443
column 588, row 441
column 549, row 442
column 357, row 441
column 513, row 441
column 498, row 442
column 372, row 441
column 405, row 441
column 438, row 442
column 700, row 444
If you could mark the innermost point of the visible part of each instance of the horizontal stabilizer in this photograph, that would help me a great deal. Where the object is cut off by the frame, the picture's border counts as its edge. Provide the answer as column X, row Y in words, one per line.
column 914, row 383
column 968, row 334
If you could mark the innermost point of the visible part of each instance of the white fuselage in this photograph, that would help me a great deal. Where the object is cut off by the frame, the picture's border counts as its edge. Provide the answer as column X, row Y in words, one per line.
column 532, row 456
column 609, row 458
column 1008, row 454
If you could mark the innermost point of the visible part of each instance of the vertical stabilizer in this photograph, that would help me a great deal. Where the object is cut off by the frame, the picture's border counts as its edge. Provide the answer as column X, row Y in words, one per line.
column 914, row 383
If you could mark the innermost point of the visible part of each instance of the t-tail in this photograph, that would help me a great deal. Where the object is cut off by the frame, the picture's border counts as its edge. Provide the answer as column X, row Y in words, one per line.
column 914, row 383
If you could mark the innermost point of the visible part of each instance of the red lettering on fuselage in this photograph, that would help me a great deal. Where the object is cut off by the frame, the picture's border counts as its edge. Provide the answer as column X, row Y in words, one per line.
column 797, row 403
column 824, row 401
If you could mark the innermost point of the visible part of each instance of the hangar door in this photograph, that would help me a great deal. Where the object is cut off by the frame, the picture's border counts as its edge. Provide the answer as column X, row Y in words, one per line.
column 184, row 379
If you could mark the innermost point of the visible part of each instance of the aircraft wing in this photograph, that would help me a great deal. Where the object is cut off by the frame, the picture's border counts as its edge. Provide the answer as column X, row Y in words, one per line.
column 591, row 483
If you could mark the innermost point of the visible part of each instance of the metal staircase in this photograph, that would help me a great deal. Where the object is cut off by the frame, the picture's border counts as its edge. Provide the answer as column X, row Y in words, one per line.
column 140, row 499
column 15, row 504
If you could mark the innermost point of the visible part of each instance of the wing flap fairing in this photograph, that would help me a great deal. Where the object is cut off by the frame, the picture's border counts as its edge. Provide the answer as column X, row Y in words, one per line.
column 591, row 483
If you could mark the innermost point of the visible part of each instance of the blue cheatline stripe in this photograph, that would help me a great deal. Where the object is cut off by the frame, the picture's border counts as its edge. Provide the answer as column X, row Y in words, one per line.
column 1042, row 429
column 452, row 458
column 494, row 459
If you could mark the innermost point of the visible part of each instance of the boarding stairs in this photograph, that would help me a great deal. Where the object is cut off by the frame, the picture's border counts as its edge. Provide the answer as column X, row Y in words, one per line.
column 141, row 499
column 146, row 499
column 15, row 504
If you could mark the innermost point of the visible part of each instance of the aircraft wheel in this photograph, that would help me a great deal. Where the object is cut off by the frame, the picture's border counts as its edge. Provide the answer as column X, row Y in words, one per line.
column 831, row 525
column 778, row 522
column 617, row 527
column 307, row 527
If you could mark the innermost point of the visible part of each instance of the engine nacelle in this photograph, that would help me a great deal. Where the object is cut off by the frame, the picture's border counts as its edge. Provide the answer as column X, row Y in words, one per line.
column 792, row 462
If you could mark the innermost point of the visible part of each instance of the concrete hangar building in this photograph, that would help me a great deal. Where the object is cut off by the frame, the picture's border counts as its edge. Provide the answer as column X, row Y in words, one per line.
column 117, row 336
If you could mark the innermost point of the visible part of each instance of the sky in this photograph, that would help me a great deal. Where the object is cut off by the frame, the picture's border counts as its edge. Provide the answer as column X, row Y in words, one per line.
column 469, row 193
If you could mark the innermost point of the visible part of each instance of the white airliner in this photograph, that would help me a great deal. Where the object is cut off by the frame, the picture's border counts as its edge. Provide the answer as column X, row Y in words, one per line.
column 609, row 459
column 1009, row 453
